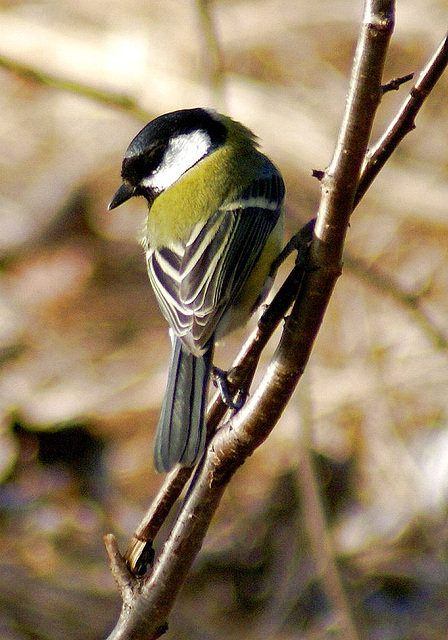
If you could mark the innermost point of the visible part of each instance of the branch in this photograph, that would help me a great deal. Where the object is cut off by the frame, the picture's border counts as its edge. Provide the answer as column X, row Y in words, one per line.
column 410, row 301
column 339, row 187
column 316, row 525
column 404, row 121
column 212, row 56
column 395, row 83
column 108, row 98
column 239, row 377
column 140, row 552
column 237, row 439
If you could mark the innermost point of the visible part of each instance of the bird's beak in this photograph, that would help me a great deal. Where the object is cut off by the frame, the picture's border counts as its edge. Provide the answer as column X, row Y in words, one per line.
column 122, row 194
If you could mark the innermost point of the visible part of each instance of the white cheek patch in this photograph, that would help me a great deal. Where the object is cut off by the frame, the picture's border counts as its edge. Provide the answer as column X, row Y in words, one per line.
column 181, row 154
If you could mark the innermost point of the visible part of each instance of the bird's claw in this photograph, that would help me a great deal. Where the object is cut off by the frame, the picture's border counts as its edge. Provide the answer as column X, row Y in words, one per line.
column 221, row 383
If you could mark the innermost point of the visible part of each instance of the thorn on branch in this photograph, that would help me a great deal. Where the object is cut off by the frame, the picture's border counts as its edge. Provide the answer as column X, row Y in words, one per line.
column 395, row 83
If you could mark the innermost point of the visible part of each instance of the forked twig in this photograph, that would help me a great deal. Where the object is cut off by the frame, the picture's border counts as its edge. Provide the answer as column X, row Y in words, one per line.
column 247, row 360
column 236, row 439
column 404, row 121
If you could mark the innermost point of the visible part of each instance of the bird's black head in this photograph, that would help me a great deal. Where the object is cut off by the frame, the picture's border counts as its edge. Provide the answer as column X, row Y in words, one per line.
column 165, row 149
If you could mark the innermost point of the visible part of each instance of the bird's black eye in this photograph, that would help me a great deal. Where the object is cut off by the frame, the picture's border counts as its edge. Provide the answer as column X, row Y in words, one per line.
column 135, row 168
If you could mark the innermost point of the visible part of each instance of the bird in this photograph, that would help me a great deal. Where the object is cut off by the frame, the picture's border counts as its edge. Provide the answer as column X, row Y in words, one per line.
column 214, row 227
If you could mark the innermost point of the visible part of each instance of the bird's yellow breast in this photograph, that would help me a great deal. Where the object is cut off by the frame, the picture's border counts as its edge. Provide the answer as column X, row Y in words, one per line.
column 214, row 180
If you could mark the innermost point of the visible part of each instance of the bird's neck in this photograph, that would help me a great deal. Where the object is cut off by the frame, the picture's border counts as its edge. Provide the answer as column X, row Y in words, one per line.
column 212, row 182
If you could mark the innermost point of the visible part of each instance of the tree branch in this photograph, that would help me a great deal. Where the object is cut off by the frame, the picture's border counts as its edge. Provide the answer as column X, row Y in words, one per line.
column 411, row 301
column 404, row 121
column 244, row 367
column 108, row 98
column 212, row 57
column 239, row 377
column 237, row 439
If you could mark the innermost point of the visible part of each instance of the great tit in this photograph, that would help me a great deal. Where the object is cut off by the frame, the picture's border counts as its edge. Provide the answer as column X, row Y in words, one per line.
column 213, row 230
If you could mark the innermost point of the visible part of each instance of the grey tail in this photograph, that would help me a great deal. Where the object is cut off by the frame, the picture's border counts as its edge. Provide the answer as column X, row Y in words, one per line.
column 180, row 433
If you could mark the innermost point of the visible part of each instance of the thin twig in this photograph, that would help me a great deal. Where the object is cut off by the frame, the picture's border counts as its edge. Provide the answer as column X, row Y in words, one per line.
column 319, row 536
column 125, row 580
column 395, row 83
column 213, row 56
column 106, row 98
column 404, row 121
column 139, row 554
column 410, row 301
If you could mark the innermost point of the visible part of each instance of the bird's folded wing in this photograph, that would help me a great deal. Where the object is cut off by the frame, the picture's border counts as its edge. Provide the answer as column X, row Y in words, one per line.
column 195, row 283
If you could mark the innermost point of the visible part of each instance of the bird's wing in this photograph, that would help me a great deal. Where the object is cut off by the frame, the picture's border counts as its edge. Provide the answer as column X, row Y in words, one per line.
column 197, row 282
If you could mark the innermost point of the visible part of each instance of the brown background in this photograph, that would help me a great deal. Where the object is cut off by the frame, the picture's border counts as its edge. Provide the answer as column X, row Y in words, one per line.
column 84, row 351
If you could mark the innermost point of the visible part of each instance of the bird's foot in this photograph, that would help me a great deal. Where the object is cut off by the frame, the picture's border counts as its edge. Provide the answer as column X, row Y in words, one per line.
column 232, row 400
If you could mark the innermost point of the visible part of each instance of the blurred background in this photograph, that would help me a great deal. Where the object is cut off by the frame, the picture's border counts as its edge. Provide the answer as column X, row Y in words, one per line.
column 84, row 350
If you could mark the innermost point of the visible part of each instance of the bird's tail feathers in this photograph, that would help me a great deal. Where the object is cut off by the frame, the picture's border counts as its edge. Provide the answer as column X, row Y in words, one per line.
column 180, row 433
